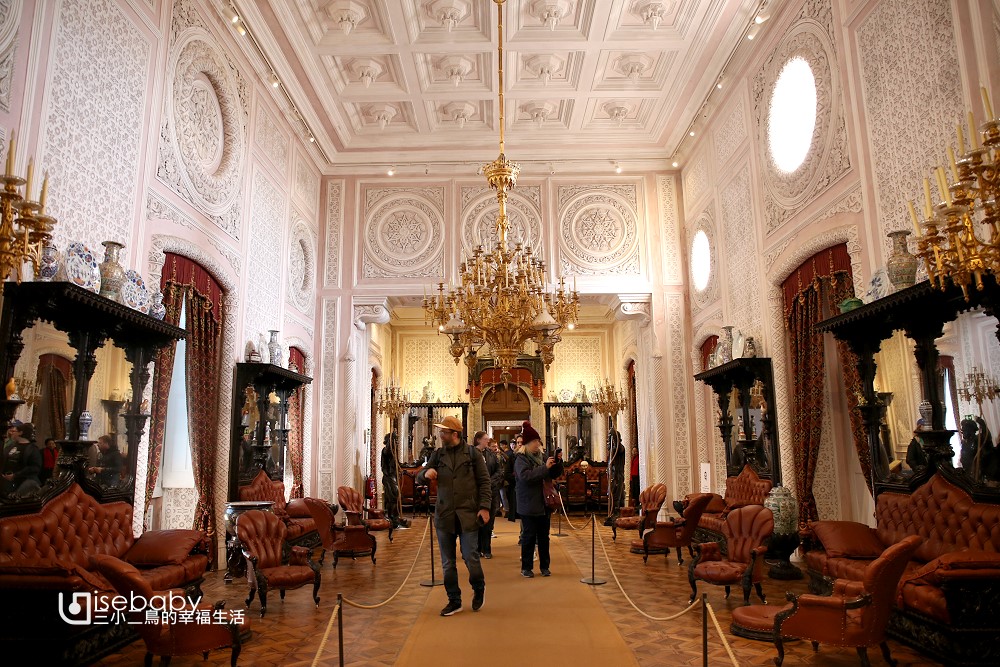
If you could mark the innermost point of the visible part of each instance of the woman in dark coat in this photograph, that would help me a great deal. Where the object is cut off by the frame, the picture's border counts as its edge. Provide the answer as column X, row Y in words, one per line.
column 530, row 471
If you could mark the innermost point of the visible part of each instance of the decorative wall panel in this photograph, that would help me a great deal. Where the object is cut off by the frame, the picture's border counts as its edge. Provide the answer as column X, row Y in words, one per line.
column 157, row 208
column 273, row 142
column 578, row 359
column 306, row 184
column 178, row 508
column 202, row 151
column 679, row 403
column 301, row 264
column 334, row 224
column 426, row 359
column 598, row 229
column 912, row 88
column 825, row 483
column 328, row 432
column 666, row 187
column 741, row 254
column 404, row 233
column 730, row 135
column 809, row 38
column 479, row 217
column 10, row 18
column 696, row 181
column 91, row 142
column 263, row 302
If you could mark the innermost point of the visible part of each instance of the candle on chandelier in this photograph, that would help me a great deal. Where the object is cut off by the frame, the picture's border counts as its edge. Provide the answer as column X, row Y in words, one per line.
column 913, row 218
column 10, row 155
column 45, row 189
column 961, row 138
column 943, row 185
column 974, row 139
column 951, row 162
column 928, row 205
column 27, row 184
column 986, row 103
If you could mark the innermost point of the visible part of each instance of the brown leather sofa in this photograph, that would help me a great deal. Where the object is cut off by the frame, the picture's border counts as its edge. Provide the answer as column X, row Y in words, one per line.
column 948, row 599
column 45, row 564
column 298, row 521
column 744, row 489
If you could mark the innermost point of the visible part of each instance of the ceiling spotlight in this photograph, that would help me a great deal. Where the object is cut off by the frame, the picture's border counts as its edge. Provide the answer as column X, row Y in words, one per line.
column 312, row 139
column 752, row 32
column 618, row 167
column 762, row 16
column 691, row 133
column 719, row 85
column 676, row 164
column 391, row 171
column 240, row 29
column 234, row 17
column 275, row 81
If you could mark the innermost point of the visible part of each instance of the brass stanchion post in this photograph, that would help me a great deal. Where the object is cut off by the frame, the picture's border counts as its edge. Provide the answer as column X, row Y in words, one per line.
column 592, row 580
column 704, row 629
column 433, row 581
column 340, row 626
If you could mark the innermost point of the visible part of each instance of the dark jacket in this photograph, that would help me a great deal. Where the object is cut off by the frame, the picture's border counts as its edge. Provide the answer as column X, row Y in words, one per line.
column 463, row 486
column 530, row 501
column 496, row 473
column 24, row 460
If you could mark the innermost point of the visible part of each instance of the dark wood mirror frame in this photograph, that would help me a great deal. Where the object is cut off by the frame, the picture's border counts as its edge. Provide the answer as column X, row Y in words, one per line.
column 89, row 321
column 739, row 375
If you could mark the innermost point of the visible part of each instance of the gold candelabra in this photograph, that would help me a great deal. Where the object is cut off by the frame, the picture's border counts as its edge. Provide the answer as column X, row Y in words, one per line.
column 24, row 227
column 393, row 402
column 565, row 416
column 978, row 387
column 959, row 237
column 502, row 298
column 609, row 400
column 27, row 389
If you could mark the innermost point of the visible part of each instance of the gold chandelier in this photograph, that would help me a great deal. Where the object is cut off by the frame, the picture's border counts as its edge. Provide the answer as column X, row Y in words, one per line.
column 24, row 227
column 948, row 239
column 502, row 299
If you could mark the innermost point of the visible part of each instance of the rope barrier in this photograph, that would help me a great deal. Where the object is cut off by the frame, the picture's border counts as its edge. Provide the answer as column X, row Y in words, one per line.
column 571, row 526
column 722, row 636
column 619, row 583
column 413, row 565
column 326, row 635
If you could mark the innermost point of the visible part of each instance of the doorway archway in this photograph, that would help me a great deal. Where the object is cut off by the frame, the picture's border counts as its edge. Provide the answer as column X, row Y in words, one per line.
column 505, row 407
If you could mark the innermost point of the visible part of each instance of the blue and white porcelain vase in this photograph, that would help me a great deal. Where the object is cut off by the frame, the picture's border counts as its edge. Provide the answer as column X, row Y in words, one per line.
column 156, row 308
column 274, row 348
column 86, row 419
column 781, row 502
column 48, row 263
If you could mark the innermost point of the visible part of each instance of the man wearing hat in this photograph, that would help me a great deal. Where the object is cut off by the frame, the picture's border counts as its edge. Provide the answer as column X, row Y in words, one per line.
column 464, row 498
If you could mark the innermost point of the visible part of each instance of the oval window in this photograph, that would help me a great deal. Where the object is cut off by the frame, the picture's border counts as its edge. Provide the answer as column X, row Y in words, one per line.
column 792, row 116
column 701, row 260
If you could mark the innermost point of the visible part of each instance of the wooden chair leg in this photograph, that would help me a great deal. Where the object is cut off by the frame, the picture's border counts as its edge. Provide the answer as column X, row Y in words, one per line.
column 727, row 592
column 760, row 592
column 887, row 655
column 263, row 601
column 680, row 558
column 148, row 660
column 204, row 655
column 281, row 592
column 863, row 654
column 253, row 592
column 815, row 645
column 781, row 651
column 614, row 532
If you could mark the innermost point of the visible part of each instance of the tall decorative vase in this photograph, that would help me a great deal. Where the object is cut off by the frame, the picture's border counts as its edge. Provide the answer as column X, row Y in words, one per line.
column 901, row 266
column 86, row 419
column 785, row 540
column 724, row 350
column 48, row 263
column 156, row 308
column 112, row 273
column 274, row 348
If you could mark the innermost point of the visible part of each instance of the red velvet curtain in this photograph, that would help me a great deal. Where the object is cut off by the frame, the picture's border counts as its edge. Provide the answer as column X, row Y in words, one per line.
column 296, row 437
column 186, row 281
column 811, row 294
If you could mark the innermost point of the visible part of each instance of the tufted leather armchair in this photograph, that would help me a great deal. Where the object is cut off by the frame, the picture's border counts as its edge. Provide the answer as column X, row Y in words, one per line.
column 262, row 535
column 359, row 515
column 855, row 615
column 350, row 540
column 676, row 532
column 747, row 531
column 744, row 489
column 576, row 488
column 295, row 514
column 168, row 639
column 650, row 502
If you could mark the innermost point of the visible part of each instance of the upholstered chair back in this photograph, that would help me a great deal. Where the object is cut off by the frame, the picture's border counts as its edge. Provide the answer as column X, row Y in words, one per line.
column 692, row 513
column 881, row 580
column 576, row 486
column 262, row 535
column 746, row 528
column 322, row 516
column 350, row 499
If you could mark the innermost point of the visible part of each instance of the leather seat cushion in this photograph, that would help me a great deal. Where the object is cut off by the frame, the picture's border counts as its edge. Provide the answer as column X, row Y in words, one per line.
column 377, row 524
column 712, row 521
column 816, row 560
column 289, row 576
column 628, row 523
column 848, row 539
column 170, row 576
column 927, row 599
column 756, row 617
column 720, row 571
column 162, row 547
column 846, row 568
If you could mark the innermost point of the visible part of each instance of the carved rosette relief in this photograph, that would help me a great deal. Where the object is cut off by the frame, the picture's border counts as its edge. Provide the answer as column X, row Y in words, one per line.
column 828, row 158
column 301, row 266
column 598, row 231
column 10, row 17
column 404, row 233
column 203, row 137
column 480, row 218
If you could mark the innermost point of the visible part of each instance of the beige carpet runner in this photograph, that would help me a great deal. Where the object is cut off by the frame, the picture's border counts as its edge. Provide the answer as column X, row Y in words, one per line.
column 545, row 620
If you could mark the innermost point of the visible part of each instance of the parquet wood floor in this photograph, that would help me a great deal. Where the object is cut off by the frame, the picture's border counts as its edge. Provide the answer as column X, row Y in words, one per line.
column 291, row 632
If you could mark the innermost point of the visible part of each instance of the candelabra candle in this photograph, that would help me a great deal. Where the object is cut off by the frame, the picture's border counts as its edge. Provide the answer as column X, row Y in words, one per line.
column 24, row 228
column 393, row 402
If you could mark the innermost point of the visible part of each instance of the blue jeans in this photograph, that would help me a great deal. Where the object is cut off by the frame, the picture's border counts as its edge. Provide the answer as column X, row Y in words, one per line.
column 470, row 554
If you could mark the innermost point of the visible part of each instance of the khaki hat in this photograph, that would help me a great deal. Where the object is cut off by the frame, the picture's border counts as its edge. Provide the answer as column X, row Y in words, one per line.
column 451, row 423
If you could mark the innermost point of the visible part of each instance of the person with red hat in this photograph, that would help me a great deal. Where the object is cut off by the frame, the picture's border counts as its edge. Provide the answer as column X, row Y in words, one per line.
column 531, row 471
column 463, row 505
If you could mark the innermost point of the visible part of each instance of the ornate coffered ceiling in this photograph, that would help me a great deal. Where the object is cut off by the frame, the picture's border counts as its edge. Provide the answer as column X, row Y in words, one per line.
column 411, row 81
